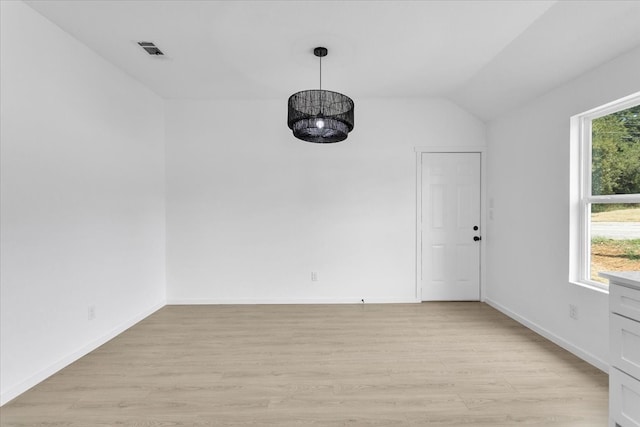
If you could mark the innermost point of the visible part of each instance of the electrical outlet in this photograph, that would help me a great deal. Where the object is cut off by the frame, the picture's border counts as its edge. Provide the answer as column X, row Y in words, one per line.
column 314, row 276
column 573, row 311
column 91, row 312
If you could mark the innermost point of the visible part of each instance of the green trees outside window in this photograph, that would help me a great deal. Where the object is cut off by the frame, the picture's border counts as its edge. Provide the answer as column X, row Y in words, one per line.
column 616, row 153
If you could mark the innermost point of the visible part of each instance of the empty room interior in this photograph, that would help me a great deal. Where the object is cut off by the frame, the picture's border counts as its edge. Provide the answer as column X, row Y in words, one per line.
column 330, row 213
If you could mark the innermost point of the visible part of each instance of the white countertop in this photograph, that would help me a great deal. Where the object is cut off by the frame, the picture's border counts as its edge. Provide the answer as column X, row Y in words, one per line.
column 630, row 279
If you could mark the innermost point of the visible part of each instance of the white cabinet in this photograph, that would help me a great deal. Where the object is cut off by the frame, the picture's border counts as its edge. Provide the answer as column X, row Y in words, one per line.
column 624, row 399
column 624, row 339
column 624, row 336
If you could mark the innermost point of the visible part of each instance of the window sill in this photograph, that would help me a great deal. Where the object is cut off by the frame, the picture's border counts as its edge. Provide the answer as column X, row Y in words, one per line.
column 594, row 286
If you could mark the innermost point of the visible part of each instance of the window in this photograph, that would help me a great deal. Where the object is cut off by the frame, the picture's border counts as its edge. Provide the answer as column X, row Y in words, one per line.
column 605, row 191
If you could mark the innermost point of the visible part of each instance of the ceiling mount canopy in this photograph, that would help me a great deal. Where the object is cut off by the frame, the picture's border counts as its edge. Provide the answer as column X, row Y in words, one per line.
column 320, row 116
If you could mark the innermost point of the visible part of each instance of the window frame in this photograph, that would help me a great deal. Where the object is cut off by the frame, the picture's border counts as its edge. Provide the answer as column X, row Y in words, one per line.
column 581, row 197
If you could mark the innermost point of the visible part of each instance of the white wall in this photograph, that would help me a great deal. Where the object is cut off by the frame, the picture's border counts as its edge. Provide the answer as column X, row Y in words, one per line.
column 528, row 239
column 251, row 210
column 82, row 199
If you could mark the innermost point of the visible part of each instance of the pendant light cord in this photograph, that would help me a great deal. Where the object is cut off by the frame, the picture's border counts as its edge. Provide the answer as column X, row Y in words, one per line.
column 321, row 113
column 321, row 73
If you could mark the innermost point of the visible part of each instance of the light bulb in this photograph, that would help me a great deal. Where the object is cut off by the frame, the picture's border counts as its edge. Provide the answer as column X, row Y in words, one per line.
column 319, row 123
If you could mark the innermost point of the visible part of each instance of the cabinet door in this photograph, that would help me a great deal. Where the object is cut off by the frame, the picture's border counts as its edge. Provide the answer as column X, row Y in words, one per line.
column 624, row 301
column 624, row 399
column 624, row 335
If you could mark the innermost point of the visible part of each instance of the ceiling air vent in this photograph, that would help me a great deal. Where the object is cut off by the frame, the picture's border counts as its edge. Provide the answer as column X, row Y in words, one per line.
column 150, row 48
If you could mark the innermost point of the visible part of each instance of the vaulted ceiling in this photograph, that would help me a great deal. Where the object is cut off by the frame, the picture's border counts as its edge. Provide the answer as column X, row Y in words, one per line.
column 487, row 56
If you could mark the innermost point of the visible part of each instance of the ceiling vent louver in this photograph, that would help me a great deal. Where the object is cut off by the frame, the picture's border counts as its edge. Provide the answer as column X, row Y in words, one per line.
column 150, row 48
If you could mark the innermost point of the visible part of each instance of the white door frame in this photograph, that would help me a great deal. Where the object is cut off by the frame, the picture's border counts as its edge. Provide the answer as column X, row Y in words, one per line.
column 483, row 224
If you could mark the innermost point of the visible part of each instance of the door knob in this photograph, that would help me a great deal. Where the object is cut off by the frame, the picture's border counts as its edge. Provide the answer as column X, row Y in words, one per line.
column 476, row 238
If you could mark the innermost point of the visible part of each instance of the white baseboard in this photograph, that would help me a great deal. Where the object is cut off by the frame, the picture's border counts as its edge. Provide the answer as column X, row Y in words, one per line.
column 37, row 378
column 216, row 301
column 582, row 354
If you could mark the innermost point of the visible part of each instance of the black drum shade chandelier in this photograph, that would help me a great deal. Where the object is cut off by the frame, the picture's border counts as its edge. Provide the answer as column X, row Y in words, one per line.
column 320, row 116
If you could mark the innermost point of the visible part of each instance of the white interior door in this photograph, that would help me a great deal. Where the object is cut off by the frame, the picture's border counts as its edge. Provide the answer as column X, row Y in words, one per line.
column 450, row 226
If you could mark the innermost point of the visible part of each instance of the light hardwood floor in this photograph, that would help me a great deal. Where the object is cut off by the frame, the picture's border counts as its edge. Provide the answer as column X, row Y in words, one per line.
column 454, row 364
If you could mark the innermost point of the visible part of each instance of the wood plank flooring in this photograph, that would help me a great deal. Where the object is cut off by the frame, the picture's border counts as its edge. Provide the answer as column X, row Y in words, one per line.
column 453, row 364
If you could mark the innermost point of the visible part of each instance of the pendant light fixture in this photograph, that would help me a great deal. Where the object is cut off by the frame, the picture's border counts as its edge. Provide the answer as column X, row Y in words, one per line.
column 320, row 116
